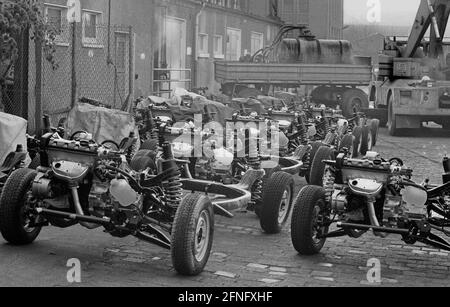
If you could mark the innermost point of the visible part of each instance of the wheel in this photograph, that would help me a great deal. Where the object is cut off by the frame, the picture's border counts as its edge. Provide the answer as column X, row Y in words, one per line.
column 357, row 134
column 14, row 202
column 314, row 148
column 305, row 227
column 277, row 202
column 318, row 166
column 392, row 119
column 347, row 143
column 375, row 129
column 192, row 235
column 354, row 100
column 366, row 140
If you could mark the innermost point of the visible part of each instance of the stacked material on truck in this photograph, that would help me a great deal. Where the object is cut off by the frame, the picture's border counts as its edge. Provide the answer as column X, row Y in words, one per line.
column 315, row 51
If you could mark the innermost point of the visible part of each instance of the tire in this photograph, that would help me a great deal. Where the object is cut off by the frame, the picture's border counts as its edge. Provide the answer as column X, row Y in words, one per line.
column 392, row 120
column 310, row 200
column 357, row 133
column 366, row 140
column 318, row 166
column 12, row 202
column 375, row 129
column 354, row 98
column 347, row 142
column 188, row 258
column 277, row 202
column 314, row 148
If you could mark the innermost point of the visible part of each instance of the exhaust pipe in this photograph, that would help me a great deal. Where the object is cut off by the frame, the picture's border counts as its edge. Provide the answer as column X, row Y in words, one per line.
column 79, row 210
column 374, row 221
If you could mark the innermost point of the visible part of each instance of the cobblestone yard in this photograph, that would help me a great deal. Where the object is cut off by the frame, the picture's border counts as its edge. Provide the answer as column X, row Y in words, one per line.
column 242, row 255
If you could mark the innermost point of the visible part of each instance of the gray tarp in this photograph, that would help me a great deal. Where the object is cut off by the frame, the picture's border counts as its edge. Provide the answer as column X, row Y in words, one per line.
column 13, row 132
column 104, row 124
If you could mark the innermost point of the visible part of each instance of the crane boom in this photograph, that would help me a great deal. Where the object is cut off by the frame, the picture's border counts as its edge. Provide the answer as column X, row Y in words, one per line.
column 434, row 13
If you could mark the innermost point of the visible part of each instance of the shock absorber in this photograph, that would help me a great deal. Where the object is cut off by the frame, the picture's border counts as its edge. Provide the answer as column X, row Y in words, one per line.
column 172, row 187
column 329, row 179
column 301, row 127
column 326, row 124
column 131, row 151
column 254, row 159
column 151, row 125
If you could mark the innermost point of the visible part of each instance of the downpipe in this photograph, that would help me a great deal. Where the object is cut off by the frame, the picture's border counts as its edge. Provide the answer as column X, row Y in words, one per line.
column 79, row 209
column 374, row 220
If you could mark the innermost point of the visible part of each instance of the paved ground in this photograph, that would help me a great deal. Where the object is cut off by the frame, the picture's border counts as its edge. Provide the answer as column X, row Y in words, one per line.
column 242, row 255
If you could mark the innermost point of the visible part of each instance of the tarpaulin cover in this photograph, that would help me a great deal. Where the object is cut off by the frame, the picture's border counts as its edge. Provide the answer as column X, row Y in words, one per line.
column 13, row 132
column 209, row 109
column 104, row 124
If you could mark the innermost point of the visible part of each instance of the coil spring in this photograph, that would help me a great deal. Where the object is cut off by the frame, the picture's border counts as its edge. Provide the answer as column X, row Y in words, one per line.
column 326, row 124
column 254, row 159
column 172, row 187
column 329, row 180
column 160, row 136
column 174, row 191
column 307, row 160
column 302, row 129
column 257, row 194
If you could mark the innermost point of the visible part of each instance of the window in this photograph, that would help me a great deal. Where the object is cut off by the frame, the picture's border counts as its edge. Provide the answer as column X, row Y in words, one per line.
column 218, row 46
column 233, row 44
column 56, row 17
column 91, row 29
column 203, row 45
column 257, row 42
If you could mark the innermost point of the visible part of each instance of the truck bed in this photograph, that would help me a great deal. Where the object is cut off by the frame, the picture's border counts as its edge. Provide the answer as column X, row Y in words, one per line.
column 293, row 74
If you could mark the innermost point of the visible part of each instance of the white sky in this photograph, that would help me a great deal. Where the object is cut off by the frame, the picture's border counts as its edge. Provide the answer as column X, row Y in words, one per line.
column 393, row 12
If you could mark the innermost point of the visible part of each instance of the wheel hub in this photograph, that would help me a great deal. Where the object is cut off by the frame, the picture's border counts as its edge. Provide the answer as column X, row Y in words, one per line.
column 202, row 234
column 284, row 206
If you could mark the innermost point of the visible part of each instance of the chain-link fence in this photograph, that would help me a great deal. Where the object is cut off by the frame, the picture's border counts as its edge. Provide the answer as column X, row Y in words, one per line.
column 94, row 62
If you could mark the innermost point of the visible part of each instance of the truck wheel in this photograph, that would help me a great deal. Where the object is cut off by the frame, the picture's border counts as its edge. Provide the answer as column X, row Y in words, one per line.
column 392, row 120
column 357, row 133
column 277, row 202
column 314, row 148
column 318, row 166
column 354, row 99
column 14, row 204
column 366, row 140
column 375, row 129
column 192, row 235
column 347, row 142
column 307, row 215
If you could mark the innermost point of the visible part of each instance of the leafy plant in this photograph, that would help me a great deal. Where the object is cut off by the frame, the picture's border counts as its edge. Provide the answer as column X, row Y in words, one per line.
column 16, row 17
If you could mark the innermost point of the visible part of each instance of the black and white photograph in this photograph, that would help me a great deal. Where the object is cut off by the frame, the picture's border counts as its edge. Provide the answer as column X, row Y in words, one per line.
column 224, row 150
